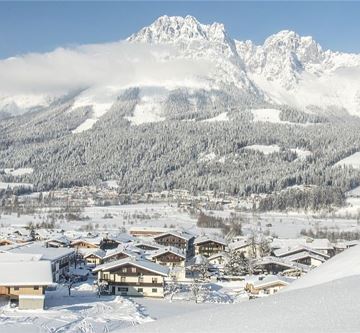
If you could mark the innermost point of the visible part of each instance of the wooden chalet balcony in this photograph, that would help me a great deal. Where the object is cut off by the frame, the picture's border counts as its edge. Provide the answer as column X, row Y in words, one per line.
column 133, row 284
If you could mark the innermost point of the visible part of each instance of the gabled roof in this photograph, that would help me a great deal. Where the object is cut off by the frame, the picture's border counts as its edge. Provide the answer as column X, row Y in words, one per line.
column 114, row 252
column 141, row 263
column 31, row 273
column 184, row 235
column 217, row 255
column 239, row 244
column 173, row 250
column 272, row 280
column 281, row 262
column 95, row 252
column 60, row 239
column 149, row 244
column 206, row 238
column 287, row 252
column 305, row 254
column 93, row 241
column 48, row 253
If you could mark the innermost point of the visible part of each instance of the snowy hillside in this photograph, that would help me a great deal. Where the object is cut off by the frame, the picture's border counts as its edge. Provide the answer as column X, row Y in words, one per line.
column 323, row 301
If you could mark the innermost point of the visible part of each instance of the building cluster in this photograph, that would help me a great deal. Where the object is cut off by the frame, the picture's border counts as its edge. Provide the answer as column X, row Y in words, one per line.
column 143, row 261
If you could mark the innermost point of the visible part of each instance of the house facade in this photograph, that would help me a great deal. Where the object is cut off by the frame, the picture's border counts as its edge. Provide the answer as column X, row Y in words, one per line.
column 209, row 246
column 133, row 277
column 183, row 241
column 25, row 282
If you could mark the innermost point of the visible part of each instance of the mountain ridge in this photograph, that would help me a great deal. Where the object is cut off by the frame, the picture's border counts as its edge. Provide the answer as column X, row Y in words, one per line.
column 285, row 69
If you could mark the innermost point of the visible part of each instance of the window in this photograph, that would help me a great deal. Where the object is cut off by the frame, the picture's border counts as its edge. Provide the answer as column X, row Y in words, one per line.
column 124, row 270
column 123, row 289
column 154, row 290
column 123, row 279
column 140, row 290
column 154, row 280
column 16, row 288
column 36, row 288
column 133, row 269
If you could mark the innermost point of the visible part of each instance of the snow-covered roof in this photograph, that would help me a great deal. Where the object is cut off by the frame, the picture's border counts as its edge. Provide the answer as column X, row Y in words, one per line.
column 207, row 238
column 59, row 239
column 315, row 243
column 114, row 252
column 19, row 257
column 149, row 244
column 346, row 244
column 137, row 262
column 305, row 254
column 95, row 252
column 272, row 280
column 238, row 244
column 197, row 260
column 284, row 252
column 48, row 253
column 180, row 234
column 92, row 240
column 31, row 273
column 281, row 262
column 170, row 249
column 217, row 255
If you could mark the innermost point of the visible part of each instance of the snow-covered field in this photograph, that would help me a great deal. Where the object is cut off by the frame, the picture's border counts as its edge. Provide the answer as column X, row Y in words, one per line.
column 170, row 216
column 352, row 160
column 324, row 300
column 221, row 117
column 19, row 171
column 268, row 115
column 266, row 149
column 269, row 149
column 82, row 312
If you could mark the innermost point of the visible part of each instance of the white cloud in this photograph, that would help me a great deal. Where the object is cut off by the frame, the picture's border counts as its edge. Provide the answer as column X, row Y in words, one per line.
column 120, row 64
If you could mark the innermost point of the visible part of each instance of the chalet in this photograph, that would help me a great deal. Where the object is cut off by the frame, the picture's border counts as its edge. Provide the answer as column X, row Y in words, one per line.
column 302, row 254
column 208, row 246
column 25, row 282
column 146, row 231
column 274, row 265
column 246, row 247
column 306, row 258
column 320, row 245
column 171, row 257
column 109, row 243
column 268, row 285
column 118, row 254
column 218, row 259
column 181, row 240
column 133, row 277
column 91, row 243
column 147, row 246
column 94, row 257
column 61, row 241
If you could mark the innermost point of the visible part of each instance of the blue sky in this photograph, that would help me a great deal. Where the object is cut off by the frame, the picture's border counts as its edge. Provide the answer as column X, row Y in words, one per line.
column 42, row 26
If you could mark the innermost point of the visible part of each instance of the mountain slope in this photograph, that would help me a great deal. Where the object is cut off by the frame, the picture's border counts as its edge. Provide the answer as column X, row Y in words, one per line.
column 148, row 111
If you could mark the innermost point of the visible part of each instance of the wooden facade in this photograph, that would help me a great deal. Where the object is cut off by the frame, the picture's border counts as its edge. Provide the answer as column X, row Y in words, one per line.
column 209, row 248
column 131, row 280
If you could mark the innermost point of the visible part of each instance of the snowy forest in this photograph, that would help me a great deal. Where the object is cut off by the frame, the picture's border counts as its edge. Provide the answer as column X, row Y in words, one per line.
column 185, row 152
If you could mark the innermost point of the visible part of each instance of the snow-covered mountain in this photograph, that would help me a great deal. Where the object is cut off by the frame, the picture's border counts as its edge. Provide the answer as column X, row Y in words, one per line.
column 180, row 54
